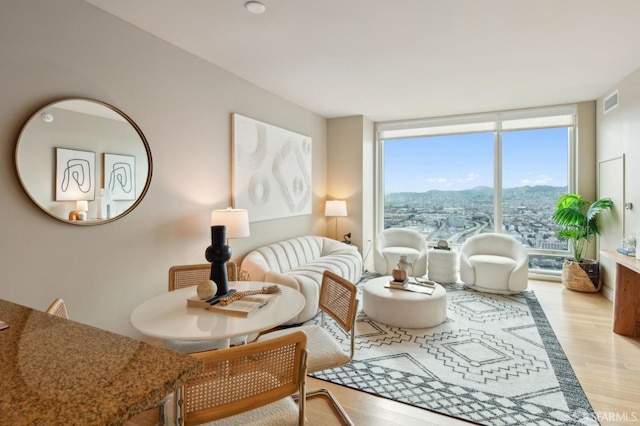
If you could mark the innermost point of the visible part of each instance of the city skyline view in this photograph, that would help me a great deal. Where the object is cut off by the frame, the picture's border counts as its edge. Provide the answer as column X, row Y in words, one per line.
column 455, row 216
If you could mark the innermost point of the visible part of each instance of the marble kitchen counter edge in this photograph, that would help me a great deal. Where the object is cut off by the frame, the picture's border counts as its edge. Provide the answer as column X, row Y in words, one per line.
column 57, row 371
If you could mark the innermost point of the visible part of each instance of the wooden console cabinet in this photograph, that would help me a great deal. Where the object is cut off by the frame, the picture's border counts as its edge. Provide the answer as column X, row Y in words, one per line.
column 626, row 305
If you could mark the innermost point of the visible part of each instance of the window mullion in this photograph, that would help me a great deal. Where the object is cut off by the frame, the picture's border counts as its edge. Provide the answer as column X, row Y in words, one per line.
column 497, row 179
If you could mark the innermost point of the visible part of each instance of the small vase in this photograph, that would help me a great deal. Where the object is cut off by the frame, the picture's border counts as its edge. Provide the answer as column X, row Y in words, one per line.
column 405, row 265
column 218, row 253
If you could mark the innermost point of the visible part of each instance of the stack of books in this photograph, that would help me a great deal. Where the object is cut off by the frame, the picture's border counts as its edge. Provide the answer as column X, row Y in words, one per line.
column 422, row 286
column 244, row 307
column 399, row 284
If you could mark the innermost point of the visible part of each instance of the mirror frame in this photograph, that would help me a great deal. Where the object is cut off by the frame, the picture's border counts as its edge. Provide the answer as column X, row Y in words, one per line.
column 143, row 139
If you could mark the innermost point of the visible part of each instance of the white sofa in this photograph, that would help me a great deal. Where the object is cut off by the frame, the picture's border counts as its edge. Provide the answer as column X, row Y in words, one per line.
column 299, row 263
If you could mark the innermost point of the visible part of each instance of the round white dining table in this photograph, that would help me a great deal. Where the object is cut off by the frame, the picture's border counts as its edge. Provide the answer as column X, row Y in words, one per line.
column 166, row 316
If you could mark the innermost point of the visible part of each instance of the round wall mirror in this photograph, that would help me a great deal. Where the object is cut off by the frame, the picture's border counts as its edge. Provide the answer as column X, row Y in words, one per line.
column 83, row 161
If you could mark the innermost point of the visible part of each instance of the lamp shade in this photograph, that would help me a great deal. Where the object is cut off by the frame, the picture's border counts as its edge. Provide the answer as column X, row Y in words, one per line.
column 82, row 205
column 335, row 208
column 235, row 220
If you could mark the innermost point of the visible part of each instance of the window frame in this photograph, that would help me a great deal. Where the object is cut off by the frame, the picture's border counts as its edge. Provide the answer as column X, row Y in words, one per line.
column 524, row 119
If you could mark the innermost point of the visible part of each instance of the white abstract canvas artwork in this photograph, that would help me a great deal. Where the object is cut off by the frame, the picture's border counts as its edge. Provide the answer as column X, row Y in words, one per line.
column 271, row 170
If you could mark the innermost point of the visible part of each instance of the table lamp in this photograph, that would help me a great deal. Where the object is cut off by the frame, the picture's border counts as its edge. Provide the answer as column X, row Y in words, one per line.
column 80, row 213
column 225, row 224
column 236, row 221
column 335, row 208
column 82, row 207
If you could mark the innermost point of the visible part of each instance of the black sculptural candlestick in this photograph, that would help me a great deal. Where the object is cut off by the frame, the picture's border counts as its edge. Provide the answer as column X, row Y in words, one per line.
column 218, row 253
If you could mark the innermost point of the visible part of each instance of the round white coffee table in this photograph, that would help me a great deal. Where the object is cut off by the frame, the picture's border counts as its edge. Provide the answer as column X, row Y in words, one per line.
column 400, row 308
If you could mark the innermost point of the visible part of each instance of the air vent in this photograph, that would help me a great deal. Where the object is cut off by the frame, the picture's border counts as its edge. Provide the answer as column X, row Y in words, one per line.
column 610, row 102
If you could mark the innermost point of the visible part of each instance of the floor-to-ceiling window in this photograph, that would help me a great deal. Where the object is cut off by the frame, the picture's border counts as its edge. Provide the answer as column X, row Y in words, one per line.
column 453, row 178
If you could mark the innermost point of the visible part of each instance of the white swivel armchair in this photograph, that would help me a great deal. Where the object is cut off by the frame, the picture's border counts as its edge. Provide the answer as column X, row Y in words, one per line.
column 494, row 263
column 393, row 242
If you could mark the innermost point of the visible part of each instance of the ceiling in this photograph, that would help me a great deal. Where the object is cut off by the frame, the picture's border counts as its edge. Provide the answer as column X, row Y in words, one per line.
column 403, row 59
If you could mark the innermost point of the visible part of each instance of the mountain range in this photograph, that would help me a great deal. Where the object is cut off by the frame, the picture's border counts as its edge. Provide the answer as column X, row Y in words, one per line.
column 532, row 193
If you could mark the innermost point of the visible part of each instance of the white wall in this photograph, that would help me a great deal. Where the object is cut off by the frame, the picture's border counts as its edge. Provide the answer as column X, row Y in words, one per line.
column 618, row 133
column 351, row 177
column 68, row 48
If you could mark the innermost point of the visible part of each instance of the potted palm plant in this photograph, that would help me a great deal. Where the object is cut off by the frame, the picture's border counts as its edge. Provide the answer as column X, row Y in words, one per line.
column 578, row 221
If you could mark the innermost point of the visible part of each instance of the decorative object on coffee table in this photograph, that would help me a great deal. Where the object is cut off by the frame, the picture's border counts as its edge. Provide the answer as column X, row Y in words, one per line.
column 406, row 266
column 399, row 275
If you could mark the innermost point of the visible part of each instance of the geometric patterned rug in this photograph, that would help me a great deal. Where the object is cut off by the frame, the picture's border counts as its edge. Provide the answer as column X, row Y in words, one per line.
column 494, row 361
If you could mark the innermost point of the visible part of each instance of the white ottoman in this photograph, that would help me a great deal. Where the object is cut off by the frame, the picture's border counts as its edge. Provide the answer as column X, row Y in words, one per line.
column 443, row 266
column 400, row 308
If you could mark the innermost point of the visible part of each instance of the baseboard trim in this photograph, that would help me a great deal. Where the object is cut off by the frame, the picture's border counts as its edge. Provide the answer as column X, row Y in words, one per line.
column 608, row 292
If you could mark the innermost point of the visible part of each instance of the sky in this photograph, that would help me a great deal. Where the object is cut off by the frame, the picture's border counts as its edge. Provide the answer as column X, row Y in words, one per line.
column 456, row 162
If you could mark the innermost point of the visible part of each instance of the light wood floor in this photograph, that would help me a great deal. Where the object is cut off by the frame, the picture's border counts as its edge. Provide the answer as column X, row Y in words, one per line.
column 606, row 364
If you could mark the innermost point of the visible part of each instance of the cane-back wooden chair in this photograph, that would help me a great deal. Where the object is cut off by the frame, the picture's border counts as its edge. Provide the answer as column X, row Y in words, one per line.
column 338, row 299
column 58, row 308
column 182, row 276
column 251, row 384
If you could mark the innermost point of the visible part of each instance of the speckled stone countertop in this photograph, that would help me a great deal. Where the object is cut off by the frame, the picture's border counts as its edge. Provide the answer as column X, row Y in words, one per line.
column 55, row 371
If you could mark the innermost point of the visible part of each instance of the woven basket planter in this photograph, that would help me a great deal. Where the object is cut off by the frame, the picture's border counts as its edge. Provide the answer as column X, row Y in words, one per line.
column 583, row 276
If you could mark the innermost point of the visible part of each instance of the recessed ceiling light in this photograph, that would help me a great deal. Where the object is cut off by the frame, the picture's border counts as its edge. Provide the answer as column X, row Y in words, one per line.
column 255, row 7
